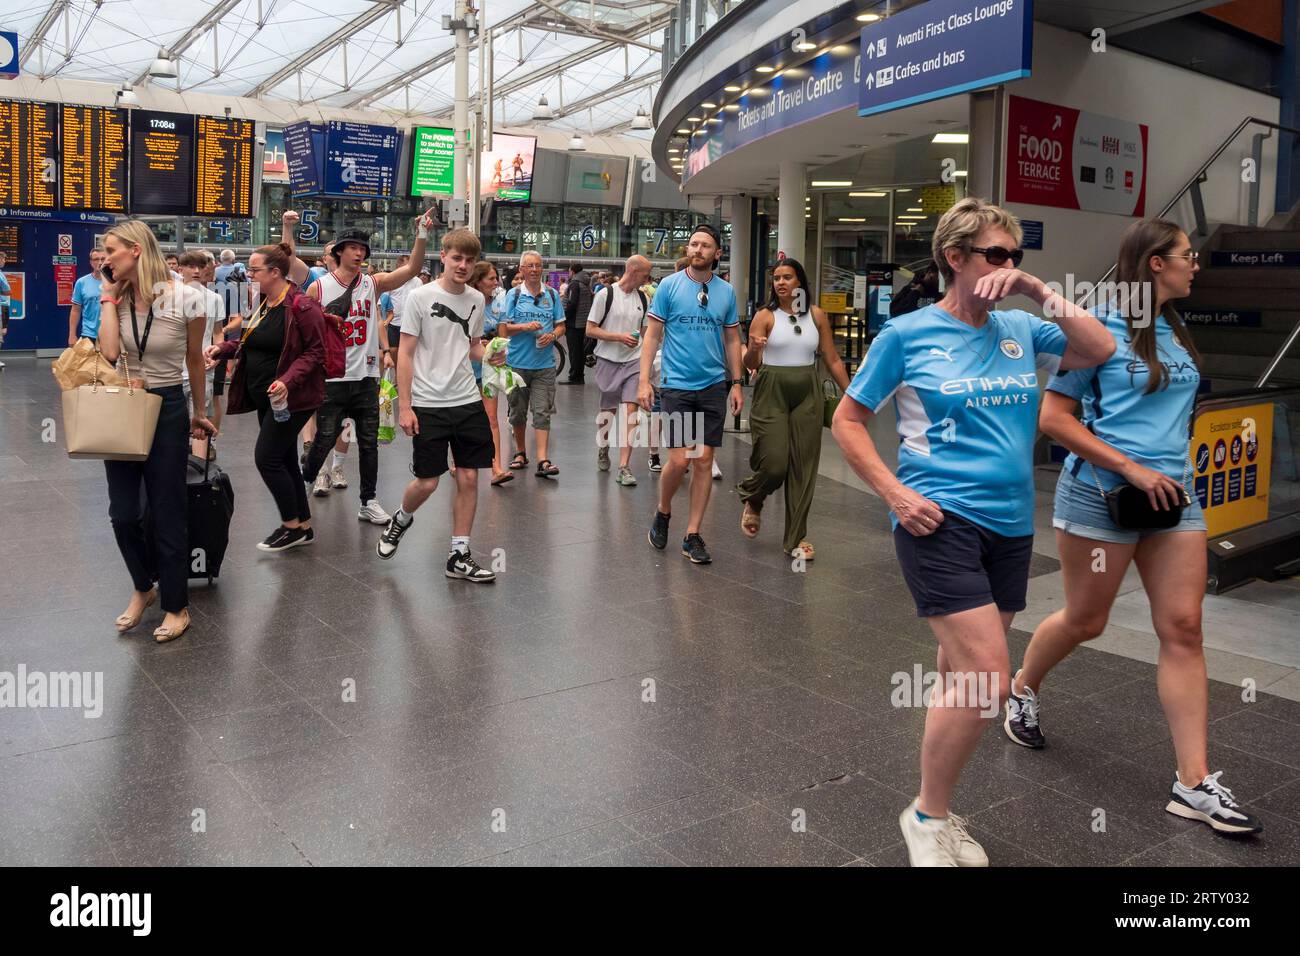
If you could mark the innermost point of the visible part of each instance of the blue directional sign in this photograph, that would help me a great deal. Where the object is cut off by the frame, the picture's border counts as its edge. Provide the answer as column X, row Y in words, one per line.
column 942, row 48
column 304, row 151
column 361, row 159
column 9, row 67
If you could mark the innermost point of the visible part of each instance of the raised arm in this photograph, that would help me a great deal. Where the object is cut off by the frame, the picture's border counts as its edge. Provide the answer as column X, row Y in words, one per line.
column 298, row 270
column 388, row 281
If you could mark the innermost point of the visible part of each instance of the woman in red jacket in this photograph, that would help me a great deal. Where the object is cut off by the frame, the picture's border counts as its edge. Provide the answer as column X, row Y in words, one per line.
column 280, row 373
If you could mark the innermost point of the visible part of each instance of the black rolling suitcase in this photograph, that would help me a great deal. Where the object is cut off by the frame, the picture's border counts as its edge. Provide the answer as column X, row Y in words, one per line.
column 211, row 504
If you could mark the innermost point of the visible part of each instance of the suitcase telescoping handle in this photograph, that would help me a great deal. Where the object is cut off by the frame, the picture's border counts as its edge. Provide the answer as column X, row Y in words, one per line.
column 207, row 459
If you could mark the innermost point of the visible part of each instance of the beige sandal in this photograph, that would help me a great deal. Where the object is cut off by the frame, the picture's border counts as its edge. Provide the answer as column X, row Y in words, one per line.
column 164, row 634
column 126, row 622
column 804, row 550
column 749, row 521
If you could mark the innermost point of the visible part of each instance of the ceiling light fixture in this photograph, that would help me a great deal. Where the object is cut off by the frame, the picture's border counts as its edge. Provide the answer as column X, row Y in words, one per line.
column 831, row 182
column 868, row 195
column 951, row 138
column 733, row 88
column 543, row 110
column 867, row 17
column 126, row 96
column 576, row 145
column 766, row 69
column 709, row 106
column 164, row 67
column 641, row 120
column 851, row 219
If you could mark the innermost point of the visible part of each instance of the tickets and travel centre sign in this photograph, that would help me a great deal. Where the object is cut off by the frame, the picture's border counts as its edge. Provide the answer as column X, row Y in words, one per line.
column 942, row 48
column 825, row 84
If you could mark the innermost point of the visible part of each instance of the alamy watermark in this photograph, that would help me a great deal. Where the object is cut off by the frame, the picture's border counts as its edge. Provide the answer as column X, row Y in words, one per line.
column 649, row 429
column 977, row 690
column 1132, row 300
column 74, row 690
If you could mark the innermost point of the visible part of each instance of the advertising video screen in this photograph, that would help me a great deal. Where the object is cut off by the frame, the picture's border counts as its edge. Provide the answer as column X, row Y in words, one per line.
column 507, row 170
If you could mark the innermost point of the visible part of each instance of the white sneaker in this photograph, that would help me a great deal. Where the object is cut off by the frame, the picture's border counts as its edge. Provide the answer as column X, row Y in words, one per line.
column 337, row 478
column 717, row 472
column 321, row 488
column 939, row 842
column 374, row 512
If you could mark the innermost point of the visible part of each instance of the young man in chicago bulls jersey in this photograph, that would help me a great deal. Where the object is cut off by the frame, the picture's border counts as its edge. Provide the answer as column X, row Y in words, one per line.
column 351, row 293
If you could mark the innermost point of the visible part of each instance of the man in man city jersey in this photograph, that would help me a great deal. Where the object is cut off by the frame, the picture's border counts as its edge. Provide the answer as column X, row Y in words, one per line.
column 694, row 315
column 350, row 293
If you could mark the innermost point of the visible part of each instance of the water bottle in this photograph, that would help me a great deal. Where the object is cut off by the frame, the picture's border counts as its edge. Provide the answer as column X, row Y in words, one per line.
column 280, row 407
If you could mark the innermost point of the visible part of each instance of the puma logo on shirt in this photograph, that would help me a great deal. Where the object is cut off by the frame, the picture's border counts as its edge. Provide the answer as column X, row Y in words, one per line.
column 443, row 311
column 942, row 353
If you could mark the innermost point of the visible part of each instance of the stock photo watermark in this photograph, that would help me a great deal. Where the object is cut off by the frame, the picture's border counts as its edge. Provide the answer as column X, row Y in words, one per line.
column 64, row 690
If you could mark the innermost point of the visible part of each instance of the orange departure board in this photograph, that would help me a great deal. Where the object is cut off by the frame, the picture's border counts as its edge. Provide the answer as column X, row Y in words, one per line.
column 162, row 163
column 223, row 167
column 29, row 170
column 92, row 171
column 11, row 245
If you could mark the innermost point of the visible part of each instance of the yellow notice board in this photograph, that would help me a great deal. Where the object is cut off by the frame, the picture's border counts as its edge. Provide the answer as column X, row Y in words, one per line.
column 938, row 198
column 1231, row 457
column 834, row 301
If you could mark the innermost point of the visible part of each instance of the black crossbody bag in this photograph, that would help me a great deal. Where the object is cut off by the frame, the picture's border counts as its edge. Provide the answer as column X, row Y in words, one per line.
column 1130, row 507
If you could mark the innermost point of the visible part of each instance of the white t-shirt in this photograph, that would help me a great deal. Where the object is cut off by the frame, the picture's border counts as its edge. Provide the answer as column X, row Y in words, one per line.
column 626, row 314
column 360, row 328
column 444, row 325
column 216, row 312
column 397, row 298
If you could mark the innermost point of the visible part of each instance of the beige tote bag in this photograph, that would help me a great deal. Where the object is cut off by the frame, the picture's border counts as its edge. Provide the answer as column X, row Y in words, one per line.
column 110, row 422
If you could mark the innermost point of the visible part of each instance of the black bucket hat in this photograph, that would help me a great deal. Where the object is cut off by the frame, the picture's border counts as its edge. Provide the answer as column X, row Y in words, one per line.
column 360, row 237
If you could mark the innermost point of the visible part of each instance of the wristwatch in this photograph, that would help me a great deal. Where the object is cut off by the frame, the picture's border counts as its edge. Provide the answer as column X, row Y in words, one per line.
column 733, row 381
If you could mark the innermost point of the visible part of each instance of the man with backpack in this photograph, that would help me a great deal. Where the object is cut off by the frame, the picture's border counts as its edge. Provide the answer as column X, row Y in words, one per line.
column 616, row 324
column 577, row 306
column 350, row 299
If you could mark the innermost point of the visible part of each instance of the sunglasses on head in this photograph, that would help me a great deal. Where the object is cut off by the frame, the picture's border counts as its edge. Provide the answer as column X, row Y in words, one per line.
column 997, row 255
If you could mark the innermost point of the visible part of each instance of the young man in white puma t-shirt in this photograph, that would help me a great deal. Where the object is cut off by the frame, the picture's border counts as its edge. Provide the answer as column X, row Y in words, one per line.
column 438, row 400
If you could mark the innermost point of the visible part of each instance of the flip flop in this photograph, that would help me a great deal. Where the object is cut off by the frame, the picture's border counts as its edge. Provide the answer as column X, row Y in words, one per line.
column 519, row 461
column 546, row 469
column 502, row 478
column 749, row 521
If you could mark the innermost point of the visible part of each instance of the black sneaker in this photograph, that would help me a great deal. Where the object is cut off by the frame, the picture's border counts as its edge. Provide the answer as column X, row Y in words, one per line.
column 1213, row 803
column 693, row 548
column 659, row 531
column 655, row 463
column 392, row 537
column 1021, row 723
column 464, row 567
column 285, row 538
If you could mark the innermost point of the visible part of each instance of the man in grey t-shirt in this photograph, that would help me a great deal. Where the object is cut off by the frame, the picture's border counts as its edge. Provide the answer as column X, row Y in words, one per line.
column 616, row 321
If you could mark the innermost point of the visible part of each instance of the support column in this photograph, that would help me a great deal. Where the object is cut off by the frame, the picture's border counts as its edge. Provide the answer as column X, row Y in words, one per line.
column 985, row 152
column 740, row 243
column 461, row 112
column 790, row 226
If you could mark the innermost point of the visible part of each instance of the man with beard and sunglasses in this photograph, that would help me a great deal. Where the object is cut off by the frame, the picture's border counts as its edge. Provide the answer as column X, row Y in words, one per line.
column 964, row 378
column 694, row 315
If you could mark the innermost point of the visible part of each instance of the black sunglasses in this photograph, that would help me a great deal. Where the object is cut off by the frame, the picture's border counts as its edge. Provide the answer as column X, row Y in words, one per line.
column 703, row 297
column 996, row 255
column 794, row 322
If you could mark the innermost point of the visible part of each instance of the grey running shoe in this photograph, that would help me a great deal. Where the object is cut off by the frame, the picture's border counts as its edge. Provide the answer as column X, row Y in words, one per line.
column 1213, row 803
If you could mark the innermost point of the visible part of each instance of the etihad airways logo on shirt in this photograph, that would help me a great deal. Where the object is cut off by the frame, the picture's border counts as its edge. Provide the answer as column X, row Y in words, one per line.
column 1005, row 390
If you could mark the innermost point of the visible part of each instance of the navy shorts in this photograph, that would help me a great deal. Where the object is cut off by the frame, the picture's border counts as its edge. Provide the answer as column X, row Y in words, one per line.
column 962, row 566
column 689, row 417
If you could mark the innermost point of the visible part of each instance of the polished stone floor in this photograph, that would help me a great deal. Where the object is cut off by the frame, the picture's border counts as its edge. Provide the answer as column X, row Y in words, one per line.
column 602, row 703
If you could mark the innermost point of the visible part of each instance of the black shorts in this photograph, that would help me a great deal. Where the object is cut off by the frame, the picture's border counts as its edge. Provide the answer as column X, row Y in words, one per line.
column 462, row 428
column 962, row 566
column 694, row 417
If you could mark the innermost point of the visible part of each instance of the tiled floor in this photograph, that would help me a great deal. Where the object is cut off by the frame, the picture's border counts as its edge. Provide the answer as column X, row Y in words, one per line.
column 602, row 703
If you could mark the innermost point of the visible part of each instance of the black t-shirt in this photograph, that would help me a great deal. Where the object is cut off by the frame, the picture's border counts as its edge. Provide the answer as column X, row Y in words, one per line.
column 262, row 351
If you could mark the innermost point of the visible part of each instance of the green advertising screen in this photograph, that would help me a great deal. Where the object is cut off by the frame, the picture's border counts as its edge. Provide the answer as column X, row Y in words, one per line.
column 432, row 156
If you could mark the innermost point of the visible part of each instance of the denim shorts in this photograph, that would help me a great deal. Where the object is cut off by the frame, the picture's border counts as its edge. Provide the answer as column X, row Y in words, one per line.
column 1080, row 510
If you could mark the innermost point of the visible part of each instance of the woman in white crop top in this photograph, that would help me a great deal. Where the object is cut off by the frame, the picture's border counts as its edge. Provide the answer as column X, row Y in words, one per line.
column 786, row 418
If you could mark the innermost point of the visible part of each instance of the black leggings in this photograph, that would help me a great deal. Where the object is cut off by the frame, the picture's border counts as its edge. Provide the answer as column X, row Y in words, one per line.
column 276, row 455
